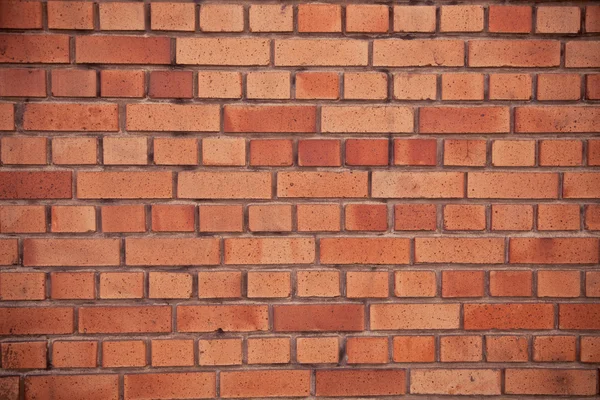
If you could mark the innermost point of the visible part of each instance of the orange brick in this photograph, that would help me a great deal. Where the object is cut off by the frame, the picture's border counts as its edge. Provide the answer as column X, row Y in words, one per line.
column 553, row 251
column 462, row 283
column 512, row 217
column 230, row 318
column 319, row 153
column 123, row 218
column 124, row 185
column 464, row 217
column 415, row 284
column 219, row 85
column 365, row 86
column 462, row 86
column 415, row 86
column 392, row 184
column 22, row 286
column 219, row 284
column 173, row 218
column 366, row 119
column 558, row 283
column 269, row 250
column 367, row 350
column 592, row 217
column 72, row 285
column 270, row 119
column 565, row 153
column 173, row 117
column 363, row 284
column 460, row 152
column 590, row 349
column 271, row 153
column 123, row 50
column 122, row 285
column 459, row 250
column 281, row 383
column 270, row 218
column 456, row 381
column 70, row 117
column 73, row 83
column 414, row 316
column 558, row 19
column 71, row 252
column 512, row 185
column 592, row 284
column 367, row 18
column 555, row 119
column 70, row 15
column 125, row 319
column 321, row 52
column 554, row 348
column 169, row 285
column 24, row 82
column 367, row 152
column 363, row 382
column 269, row 284
column 23, row 355
column 509, row 19
column 268, row 85
column 125, row 150
column 513, row 153
column 464, row 120
column 175, row 151
column 318, row 317
column 171, row 251
column 123, row 353
column 222, row 51
column 172, row 353
column 317, row 85
column 224, row 185
column 172, row 16
column 22, row 219
column 170, row 84
column 220, row 352
column 21, row 15
column 415, row 217
column 514, row 53
column 317, row 350
column 36, row 320
column 581, row 185
column 122, row 83
column 461, row 18
column 352, row 250
column 414, row 349
column 121, row 16
column 461, row 348
column 271, row 18
column 510, row 87
column 224, row 151
column 510, row 283
column 414, row 18
column 23, row 150
column 92, row 387
column 216, row 17
column 35, row 49
column 74, row 150
column 508, row 316
column 506, row 348
column 9, row 252
column 268, row 350
column 73, row 219
column 221, row 218
column 558, row 217
column 319, row 18
column 592, row 89
column 550, row 381
column 164, row 385
column 74, row 354
column 415, row 152
column 366, row 217
column 322, row 184
column 318, row 283
column 559, row 87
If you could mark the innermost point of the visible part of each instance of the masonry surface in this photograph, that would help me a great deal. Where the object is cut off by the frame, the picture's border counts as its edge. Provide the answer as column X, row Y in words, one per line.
column 206, row 199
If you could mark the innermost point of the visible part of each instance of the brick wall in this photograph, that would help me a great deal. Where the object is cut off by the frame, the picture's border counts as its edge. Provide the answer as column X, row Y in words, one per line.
column 293, row 199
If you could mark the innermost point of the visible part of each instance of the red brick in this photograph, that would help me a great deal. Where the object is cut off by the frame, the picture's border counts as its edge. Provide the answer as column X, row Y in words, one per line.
column 459, row 250
column 123, row 218
column 22, row 219
column 367, row 152
column 558, row 283
column 418, row 53
column 508, row 316
column 9, row 385
column 221, row 218
column 510, row 87
column 271, row 18
column 7, row 117
column 365, row 382
column 172, row 16
column 367, row 284
column 123, row 353
column 219, row 84
column 268, row 85
column 558, row 217
column 271, row 153
column 461, row 348
column 317, row 85
column 509, row 19
column 464, row 120
column 366, row 217
column 318, row 283
column 392, row 184
column 71, row 117
column 512, row 283
column 592, row 89
column 73, row 219
column 125, row 150
column 173, row 117
column 317, row 350
column 74, row 150
column 273, row 250
column 369, row 18
column 465, row 152
column 89, row 387
column 74, row 354
column 579, row 316
column 514, row 53
column 216, row 17
column 121, row 83
column 506, row 348
column 234, row 318
column 592, row 284
column 322, row 184
column 367, row 350
column 270, row 218
column 461, row 18
column 352, row 250
column 72, row 285
column 415, row 86
column 590, row 349
column 21, row 15
column 24, row 150
column 318, row 318
column 321, row 52
column 462, row 86
column 269, row 284
column 36, row 320
column 366, row 119
column 275, row 118
column 550, row 381
column 222, row 51
column 564, row 153
column 592, row 217
column 319, row 153
column 172, row 251
column 581, row 185
column 73, row 83
column 319, row 18
column 414, row 18
column 23, row 355
column 556, row 119
column 318, row 217
column 512, row 217
column 35, row 49
column 121, row 16
column 172, row 353
column 173, row 217
column 592, row 18
column 414, row 349
column 554, row 348
column 185, row 385
column 22, row 286
column 268, row 350
column 513, row 153
column 131, row 319
column 415, row 217
column 559, row 87
column 558, row 19
column 170, row 84
column 71, row 252
column 415, row 152
column 122, row 50
column 124, row 185
column 70, row 15
column 219, row 284
column 265, row 383
column 464, row 217
column 23, row 82
column 224, row 185
column 220, row 352
column 462, row 283
column 175, row 151
column 9, row 251
column 122, row 285
column 169, row 285
column 455, row 381
column 553, row 250
column 415, row 284
column 512, row 185
column 414, row 316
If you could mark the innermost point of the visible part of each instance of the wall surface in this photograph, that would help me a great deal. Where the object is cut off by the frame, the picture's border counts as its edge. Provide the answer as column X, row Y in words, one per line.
column 295, row 199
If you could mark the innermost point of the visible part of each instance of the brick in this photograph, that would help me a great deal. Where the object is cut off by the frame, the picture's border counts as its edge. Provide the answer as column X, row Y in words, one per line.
column 175, row 151
column 185, row 385
column 556, row 119
column 415, row 86
column 318, row 217
column 318, row 318
column 461, row 348
column 73, row 219
column 70, row 15
column 124, row 185
column 558, row 19
column 172, row 353
column 234, row 318
column 368, row 18
column 509, row 19
column 513, row 153
column 506, row 348
column 461, row 18
column 559, row 87
column 459, row 250
column 122, row 285
column 22, row 286
column 268, row 85
column 123, row 353
column 125, row 319
column 317, row 350
column 220, row 352
column 269, row 284
column 553, row 250
column 74, row 354
column 170, row 84
column 352, row 250
column 10, row 387
column 510, row 87
column 72, row 285
column 512, row 217
column 224, row 151
column 455, row 381
column 273, row 250
column 271, row 18
column 36, row 320
column 314, row 18
column 564, row 153
column 224, row 185
column 415, row 152
column 23, row 355
column 365, row 86
column 512, row 185
column 173, row 218
column 592, row 19
column 592, row 90
column 463, row 283
column 270, row 119
column 418, row 53
column 558, row 217
column 71, row 252
column 268, row 350
column 317, row 85
column 415, row 217
column 53, row 49
column 121, row 16
column 581, row 185
column 322, row 184
column 558, row 283
column 73, row 83
column 465, row 152
column 22, row 219
column 550, row 381
column 510, row 53
column 415, row 284
column 414, row 349
column 367, row 284
column 592, row 284
column 23, row 150
column 91, row 387
column 366, row 217
column 512, row 283
column 173, row 117
column 9, row 252
column 319, row 153
column 414, row 316
column 367, row 350
column 579, row 316
column 122, row 83
column 365, row 382
column 318, row 283
column 464, row 217
column 590, row 349
column 74, row 150
column 554, row 348
column 219, row 84
column 71, row 117
column 172, row 251
column 123, row 218
column 222, row 51
column 392, row 184
column 22, row 82
column 414, row 18
column 219, row 284
column 464, row 120
column 169, row 285
column 172, row 16
column 271, row 152
column 7, row 117
column 122, row 50
column 221, row 17
column 367, row 152
column 321, row 52
column 265, row 383
column 270, row 218
column 221, row 218
column 21, row 15
column 366, row 119
column 505, row 316
column 592, row 217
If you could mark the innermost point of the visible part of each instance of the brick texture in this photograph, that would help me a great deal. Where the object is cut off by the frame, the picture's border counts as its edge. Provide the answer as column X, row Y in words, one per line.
column 299, row 199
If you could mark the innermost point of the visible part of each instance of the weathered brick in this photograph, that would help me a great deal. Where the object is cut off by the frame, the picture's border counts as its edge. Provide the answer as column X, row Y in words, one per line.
column 74, row 150
column 414, row 18
column 550, row 381
column 23, row 355
column 506, row 348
